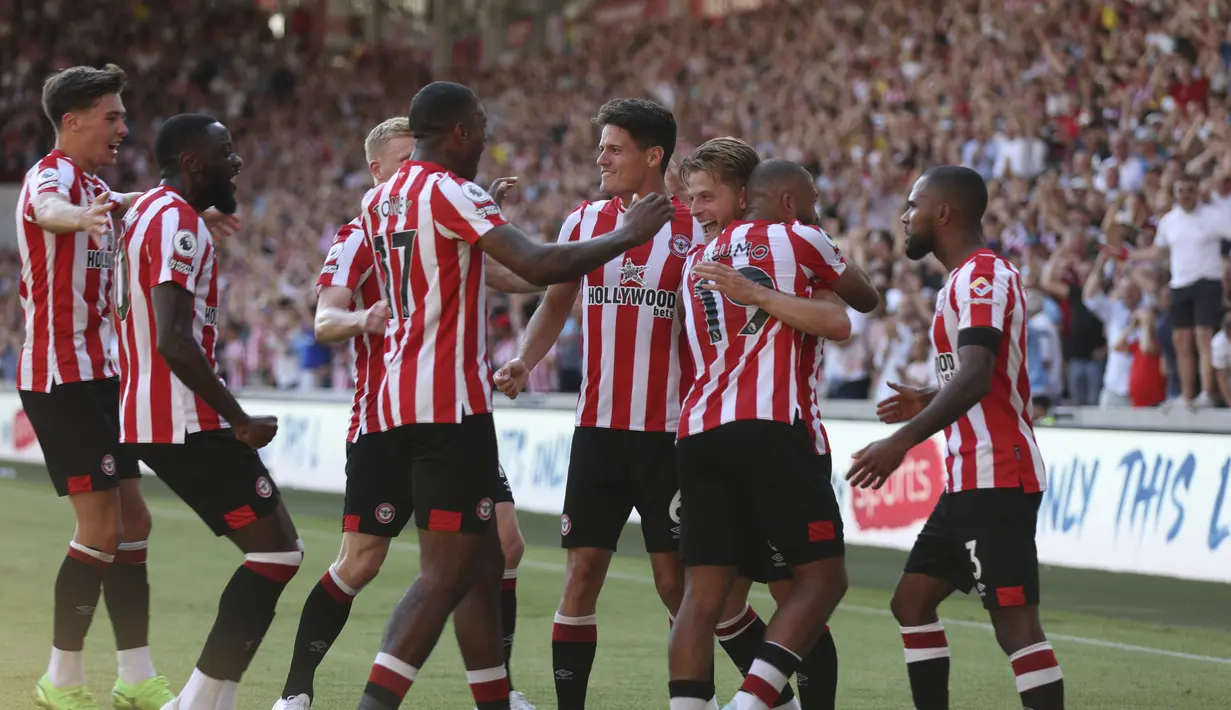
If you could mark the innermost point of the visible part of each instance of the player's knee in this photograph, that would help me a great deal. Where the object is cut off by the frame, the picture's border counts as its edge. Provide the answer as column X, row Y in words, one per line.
column 824, row 584
column 137, row 524
column 102, row 533
column 357, row 569
column 513, row 545
column 910, row 609
column 781, row 590
column 1017, row 627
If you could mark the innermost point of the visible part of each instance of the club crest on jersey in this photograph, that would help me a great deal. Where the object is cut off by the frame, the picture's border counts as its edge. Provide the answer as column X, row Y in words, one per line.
column 263, row 487
column 384, row 513
column 474, row 193
column 728, row 251
column 484, row 509
column 633, row 273
column 680, row 244
column 566, row 524
column 108, row 464
column 980, row 287
column 185, row 243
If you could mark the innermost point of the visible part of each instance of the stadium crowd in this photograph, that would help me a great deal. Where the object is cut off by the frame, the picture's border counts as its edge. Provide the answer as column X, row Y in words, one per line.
column 1102, row 128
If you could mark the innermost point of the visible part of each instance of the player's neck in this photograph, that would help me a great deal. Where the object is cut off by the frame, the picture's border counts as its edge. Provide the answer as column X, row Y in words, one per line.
column 653, row 183
column 177, row 184
column 76, row 153
column 960, row 253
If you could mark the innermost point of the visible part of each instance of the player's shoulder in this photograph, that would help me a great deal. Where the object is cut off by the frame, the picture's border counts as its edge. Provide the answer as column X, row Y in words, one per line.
column 52, row 169
column 454, row 185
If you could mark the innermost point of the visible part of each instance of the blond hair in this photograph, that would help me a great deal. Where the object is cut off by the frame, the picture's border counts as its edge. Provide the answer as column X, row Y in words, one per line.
column 729, row 160
column 383, row 133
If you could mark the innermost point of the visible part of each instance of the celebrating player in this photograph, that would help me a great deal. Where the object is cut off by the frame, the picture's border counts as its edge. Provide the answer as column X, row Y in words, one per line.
column 379, row 499
column 715, row 175
column 175, row 411
column 429, row 226
column 736, row 493
column 623, row 452
column 69, row 389
column 981, row 533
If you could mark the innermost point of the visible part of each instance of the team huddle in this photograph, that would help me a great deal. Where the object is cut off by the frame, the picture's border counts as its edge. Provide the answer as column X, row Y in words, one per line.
column 705, row 308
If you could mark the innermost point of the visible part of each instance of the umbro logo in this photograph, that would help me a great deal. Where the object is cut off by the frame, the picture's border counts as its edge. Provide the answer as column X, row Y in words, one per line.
column 319, row 647
column 564, row 674
column 85, row 610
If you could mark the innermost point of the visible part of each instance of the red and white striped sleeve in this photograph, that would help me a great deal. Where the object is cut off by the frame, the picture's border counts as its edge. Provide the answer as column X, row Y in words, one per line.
column 348, row 263
column 463, row 210
column 50, row 175
column 182, row 243
column 570, row 231
column 816, row 252
column 981, row 293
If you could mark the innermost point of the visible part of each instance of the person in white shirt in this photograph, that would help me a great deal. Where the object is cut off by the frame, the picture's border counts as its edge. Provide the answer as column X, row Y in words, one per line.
column 1191, row 235
column 1115, row 310
column 1220, row 355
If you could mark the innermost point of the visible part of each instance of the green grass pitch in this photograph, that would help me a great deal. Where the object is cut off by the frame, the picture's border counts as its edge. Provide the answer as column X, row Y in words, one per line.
column 1124, row 641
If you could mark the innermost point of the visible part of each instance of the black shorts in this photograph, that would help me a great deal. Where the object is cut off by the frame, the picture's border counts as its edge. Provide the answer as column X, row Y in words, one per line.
column 454, row 469
column 380, row 495
column 612, row 471
column 984, row 539
column 221, row 478
column 750, row 481
column 1197, row 304
column 763, row 564
column 78, row 428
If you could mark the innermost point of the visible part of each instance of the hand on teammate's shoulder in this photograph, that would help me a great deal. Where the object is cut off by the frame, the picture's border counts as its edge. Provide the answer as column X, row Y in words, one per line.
column 646, row 215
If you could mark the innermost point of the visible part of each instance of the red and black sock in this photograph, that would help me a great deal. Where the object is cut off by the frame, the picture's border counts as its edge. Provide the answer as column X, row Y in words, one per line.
column 927, row 665
column 78, row 587
column 1039, row 680
column 245, row 611
column 388, row 683
column 323, row 617
column 741, row 637
column 574, row 641
column 770, row 673
column 817, row 675
column 490, row 688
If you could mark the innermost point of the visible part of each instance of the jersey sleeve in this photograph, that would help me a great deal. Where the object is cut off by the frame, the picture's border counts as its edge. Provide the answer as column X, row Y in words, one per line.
column 981, row 294
column 178, row 244
column 349, row 262
column 570, row 231
column 817, row 253
column 50, row 175
column 463, row 210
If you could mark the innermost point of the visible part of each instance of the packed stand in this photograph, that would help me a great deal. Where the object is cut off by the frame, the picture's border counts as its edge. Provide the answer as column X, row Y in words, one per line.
column 1102, row 129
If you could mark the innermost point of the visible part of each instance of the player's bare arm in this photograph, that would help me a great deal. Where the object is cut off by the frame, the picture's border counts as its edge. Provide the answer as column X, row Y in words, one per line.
column 855, row 289
column 541, row 333
column 977, row 348
column 335, row 322
column 545, row 264
column 54, row 213
column 815, row 316
column 499, row 277
column 173, row 317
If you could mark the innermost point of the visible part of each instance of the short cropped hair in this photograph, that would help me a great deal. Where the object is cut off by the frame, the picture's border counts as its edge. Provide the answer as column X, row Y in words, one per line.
column 730, row 160
column 383, row 133
column 649, row 124
column 440, row 106
column 79, row 88
column 176, row 135
column 961, row 187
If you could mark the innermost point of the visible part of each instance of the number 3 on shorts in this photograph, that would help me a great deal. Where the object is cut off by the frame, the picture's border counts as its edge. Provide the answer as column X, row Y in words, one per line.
column 975, row 560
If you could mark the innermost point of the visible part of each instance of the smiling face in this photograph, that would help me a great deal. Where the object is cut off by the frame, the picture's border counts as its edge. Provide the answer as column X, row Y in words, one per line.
column 623, row 166
column 714, row 204
column 218, row 166
column 101, row 129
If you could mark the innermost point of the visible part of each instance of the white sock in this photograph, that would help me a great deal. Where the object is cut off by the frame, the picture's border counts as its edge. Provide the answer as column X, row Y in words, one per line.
column 712, row 704
column 690, row 704
column 200, row 692
column 135, row 665
column 792, row 704
column 228, row 697
column 747, row 701
column 66, row 669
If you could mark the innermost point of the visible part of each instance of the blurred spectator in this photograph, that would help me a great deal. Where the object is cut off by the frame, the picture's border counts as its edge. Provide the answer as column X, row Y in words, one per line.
column 1220, row 355
column 1044, row 365
column 1147, row 381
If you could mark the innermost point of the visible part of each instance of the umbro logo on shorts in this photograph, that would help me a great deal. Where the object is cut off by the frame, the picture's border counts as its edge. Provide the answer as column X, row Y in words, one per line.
column 484, row 509
column 263, row 487
column 385, row 513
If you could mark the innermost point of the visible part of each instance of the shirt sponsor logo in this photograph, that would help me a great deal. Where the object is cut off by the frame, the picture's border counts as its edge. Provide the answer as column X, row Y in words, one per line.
column 660, row 300
column 211, row 315
column 99, row 259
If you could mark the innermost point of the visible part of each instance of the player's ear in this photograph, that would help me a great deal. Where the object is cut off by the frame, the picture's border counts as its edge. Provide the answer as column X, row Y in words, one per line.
column 788, row 205
column 654, row 157
column 743, row 199
column 374, row 168
column 189, row 163
column 944, row 213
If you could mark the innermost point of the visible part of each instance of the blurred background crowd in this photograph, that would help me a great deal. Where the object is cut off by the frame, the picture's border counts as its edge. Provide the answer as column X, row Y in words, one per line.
column 1102, row 128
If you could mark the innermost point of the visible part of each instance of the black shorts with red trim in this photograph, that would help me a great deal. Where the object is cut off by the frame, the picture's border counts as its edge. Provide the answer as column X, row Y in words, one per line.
column 455, row 469
column 221, row 478
column 78, row 429
column 380, row 495
column 983, row 539
column 752, row 481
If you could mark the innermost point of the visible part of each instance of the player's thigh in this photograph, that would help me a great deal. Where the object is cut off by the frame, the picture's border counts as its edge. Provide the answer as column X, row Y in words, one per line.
column 455, row 470
column 379, row 497
column 222, row 479
column 1207, row 306
column 713, row 520
column 658, row 490
column 937, row 554
column 1184, row 307
column 79, row 439
column 789, row 490
column 600, row 491
column 107, row 396
column 996, row 528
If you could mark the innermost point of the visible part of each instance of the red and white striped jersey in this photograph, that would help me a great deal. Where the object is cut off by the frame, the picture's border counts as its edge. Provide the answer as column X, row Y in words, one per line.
column 811, row 364
column 423, row 226
column 630, row 335
column 747, row 362
column 164, row 241
column 992, row 445
column 349, row 265
column 65, row 288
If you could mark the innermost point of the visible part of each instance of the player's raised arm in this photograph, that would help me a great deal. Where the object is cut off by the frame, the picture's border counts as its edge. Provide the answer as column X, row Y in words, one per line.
column 347, row 265
column 555, row 263
column 821, row 256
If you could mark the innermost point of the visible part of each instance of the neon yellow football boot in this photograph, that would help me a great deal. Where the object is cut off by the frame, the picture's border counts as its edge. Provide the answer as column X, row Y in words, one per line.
column 151, row 694
column 49, row 697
